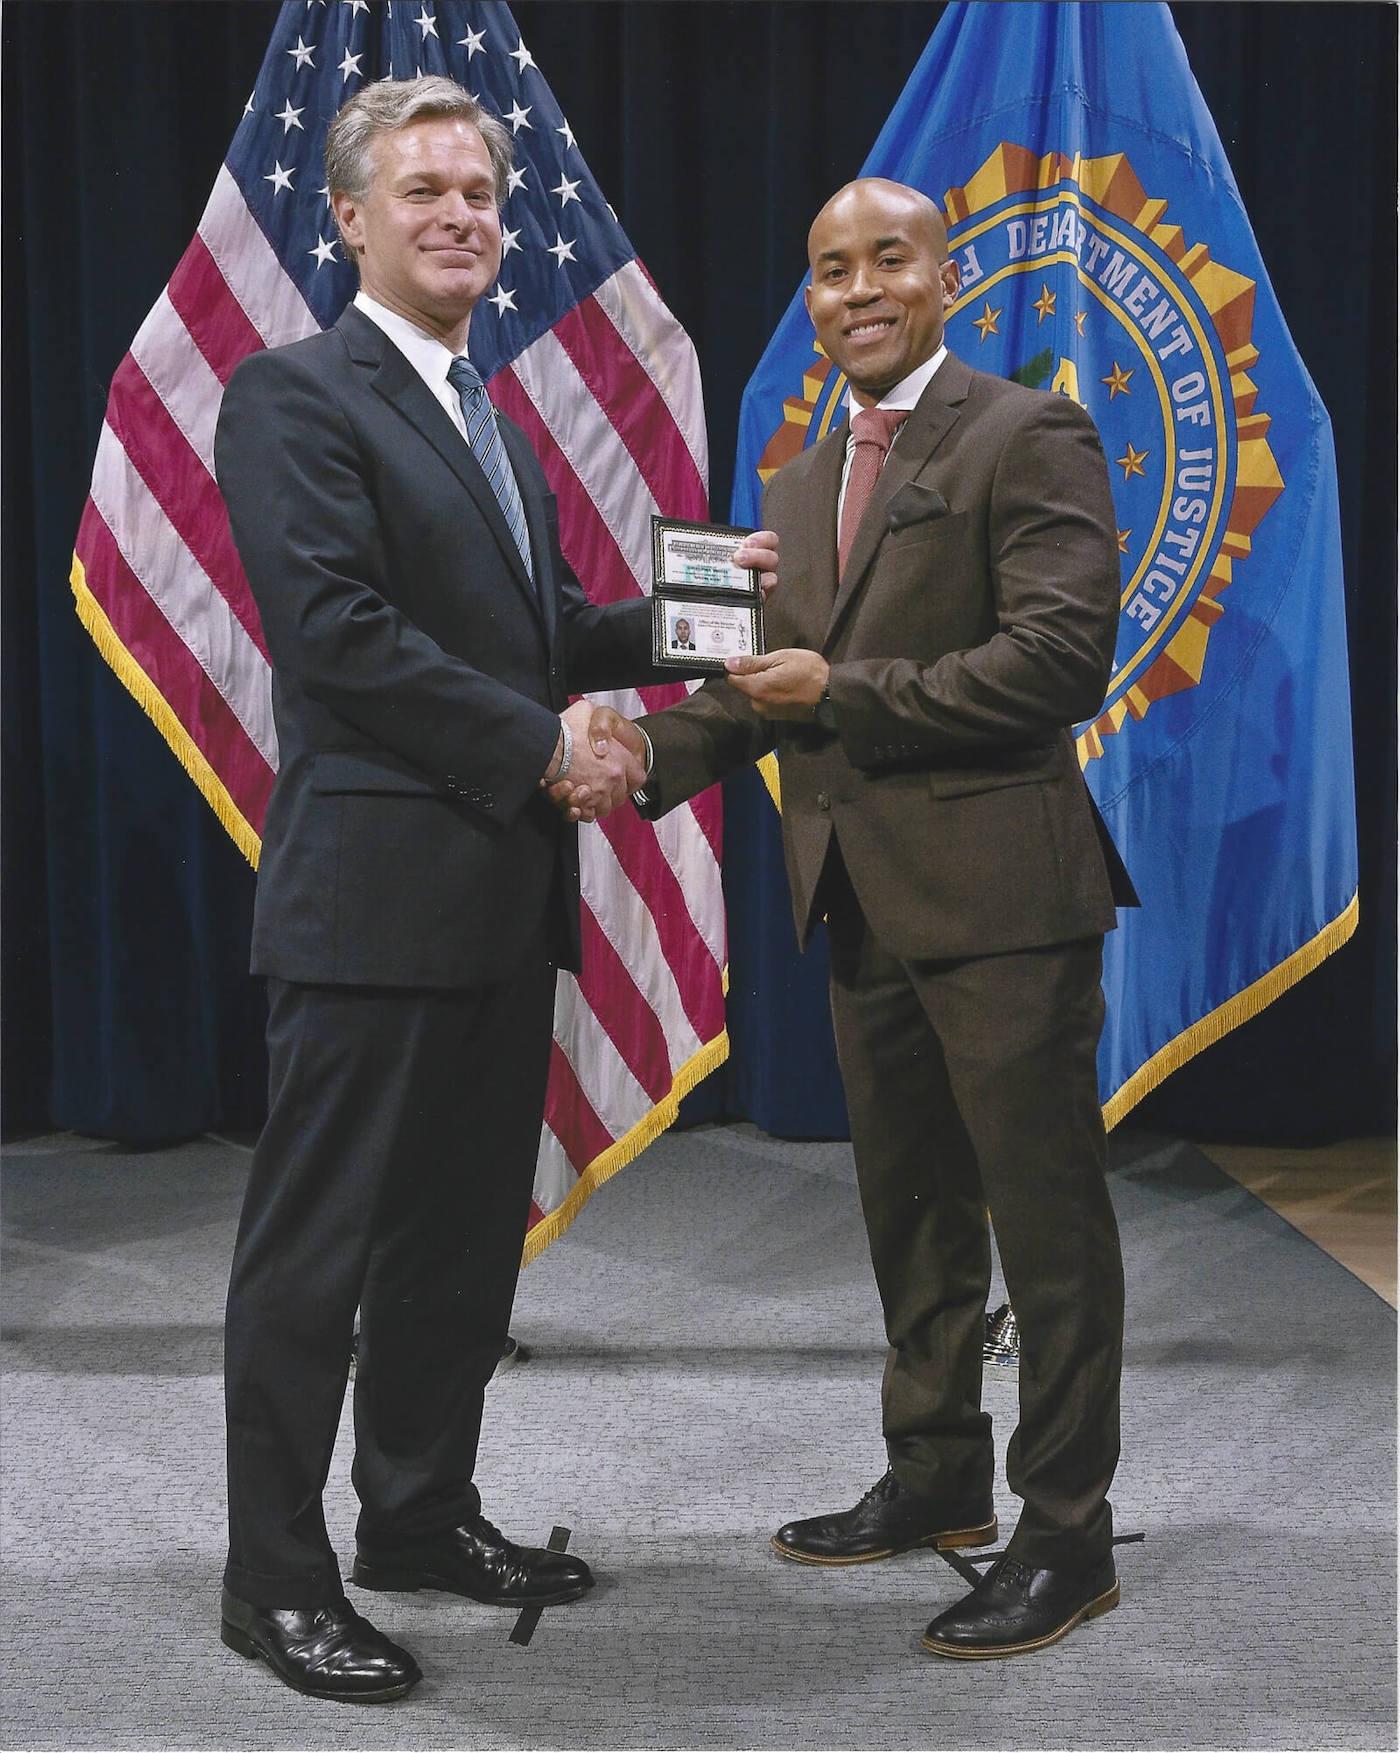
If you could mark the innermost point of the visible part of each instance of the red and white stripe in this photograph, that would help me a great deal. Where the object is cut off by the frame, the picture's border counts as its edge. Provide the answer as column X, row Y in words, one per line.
column 611, row 400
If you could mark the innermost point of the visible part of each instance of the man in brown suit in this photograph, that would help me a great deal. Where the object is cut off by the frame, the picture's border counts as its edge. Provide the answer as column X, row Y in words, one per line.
column 943, row 617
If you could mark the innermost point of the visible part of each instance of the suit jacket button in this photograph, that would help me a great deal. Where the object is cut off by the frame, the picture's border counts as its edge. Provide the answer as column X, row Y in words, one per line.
column 823, row 801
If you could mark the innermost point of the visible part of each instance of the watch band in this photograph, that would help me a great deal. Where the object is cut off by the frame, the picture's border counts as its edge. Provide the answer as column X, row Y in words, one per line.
column 566, row 758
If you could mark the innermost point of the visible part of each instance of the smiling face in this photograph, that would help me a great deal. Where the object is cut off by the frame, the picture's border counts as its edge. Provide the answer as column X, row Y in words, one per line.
column 880, row 283
column 427, row 233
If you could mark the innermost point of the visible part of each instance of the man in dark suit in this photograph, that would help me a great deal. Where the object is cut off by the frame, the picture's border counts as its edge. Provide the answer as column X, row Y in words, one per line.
column 943, row 617
column 417, row 894
column 682, row 640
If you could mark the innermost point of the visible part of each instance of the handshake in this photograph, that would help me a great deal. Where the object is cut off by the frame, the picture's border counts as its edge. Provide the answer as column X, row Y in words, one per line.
column 607, row 763
column 605, row 756
column 610, row 754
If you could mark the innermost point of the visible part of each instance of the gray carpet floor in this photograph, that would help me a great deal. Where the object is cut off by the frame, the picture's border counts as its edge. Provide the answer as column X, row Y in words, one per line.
column 706, row 1364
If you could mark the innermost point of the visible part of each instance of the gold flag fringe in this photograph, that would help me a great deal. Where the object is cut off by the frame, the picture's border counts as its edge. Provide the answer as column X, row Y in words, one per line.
column 627, row 1148
column 1239, row 1009
column 768, row 773
column 154, row 704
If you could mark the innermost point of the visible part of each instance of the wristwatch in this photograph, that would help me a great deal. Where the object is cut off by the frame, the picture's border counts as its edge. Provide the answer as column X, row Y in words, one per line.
column 824, row 713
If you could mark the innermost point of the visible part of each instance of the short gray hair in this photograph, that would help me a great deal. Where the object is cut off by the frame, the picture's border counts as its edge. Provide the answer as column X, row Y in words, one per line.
column 387, row 104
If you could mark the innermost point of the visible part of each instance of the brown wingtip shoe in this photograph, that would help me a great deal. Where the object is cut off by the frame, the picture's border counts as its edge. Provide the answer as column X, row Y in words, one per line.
column 1016, row 1609
column 888, row 1519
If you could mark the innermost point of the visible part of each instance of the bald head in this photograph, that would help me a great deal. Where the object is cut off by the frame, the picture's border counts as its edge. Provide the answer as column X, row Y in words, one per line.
column 881, row 282
column 879, row 194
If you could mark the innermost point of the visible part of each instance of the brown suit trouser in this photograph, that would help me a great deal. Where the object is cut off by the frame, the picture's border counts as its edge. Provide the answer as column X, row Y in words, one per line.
column 972, row 1088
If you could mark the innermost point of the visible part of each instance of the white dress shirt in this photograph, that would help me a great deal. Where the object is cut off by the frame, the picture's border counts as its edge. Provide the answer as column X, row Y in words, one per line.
column 904, row 395
column 428, row 356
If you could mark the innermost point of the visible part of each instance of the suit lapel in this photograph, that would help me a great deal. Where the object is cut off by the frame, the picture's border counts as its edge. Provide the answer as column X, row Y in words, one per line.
column 931, row 420
column 544, row 597
column 400, row 385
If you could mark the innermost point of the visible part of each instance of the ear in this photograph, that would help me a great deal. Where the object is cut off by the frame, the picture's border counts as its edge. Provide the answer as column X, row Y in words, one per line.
column 349, row 220
column 807, row 300
column 951, row 277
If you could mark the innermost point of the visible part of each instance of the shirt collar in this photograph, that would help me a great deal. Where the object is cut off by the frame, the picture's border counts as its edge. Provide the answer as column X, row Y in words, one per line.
column 425, row 353
column 908, row 390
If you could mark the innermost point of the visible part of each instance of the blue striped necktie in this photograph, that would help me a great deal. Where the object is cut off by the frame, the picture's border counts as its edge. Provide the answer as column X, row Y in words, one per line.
column 485, row 441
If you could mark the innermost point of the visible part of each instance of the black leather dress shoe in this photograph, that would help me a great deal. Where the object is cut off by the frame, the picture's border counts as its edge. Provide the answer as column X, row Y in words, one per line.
column 888, row 1519
column 1016, row 1608
column 326, row 1652
column 475, row 1560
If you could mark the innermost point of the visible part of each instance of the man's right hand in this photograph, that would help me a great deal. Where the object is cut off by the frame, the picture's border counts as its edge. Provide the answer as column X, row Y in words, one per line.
column 614, row 742
column 609, row 763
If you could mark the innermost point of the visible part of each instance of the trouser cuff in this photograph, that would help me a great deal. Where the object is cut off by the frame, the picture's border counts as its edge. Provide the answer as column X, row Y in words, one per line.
column 304, row 1589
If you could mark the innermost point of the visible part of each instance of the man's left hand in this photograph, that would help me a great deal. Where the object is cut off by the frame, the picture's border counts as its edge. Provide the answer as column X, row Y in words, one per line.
column 781, row 684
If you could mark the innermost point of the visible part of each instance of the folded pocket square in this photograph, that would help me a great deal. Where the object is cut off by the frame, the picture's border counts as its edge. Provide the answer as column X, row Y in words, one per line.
column 915, row 504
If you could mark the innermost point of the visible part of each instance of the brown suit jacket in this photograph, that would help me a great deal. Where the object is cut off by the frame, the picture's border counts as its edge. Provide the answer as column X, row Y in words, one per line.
column 974, row 624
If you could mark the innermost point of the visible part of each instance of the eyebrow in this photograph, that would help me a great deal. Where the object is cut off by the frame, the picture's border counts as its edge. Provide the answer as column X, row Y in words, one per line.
column 431, row 174
column 881, row 243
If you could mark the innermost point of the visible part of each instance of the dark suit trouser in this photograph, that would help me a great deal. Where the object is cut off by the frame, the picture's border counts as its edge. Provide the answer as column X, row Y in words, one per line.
column 972, row 1087
column 394, row 1173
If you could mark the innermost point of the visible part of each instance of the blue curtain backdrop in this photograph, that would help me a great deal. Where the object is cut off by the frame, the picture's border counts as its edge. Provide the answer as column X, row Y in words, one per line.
column 717, row 130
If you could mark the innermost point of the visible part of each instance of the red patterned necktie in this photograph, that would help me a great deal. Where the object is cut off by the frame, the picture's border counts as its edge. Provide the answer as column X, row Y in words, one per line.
column 872, row 434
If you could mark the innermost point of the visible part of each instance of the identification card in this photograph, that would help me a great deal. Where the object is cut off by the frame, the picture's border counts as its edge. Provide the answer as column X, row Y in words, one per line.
column 704, row 607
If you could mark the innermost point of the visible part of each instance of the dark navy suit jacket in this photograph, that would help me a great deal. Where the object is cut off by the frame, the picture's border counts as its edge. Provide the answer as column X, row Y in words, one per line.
column 418, row 673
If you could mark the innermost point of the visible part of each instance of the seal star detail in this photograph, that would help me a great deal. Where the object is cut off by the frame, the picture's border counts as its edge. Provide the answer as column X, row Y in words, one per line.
column 1131, row 463
column 986, row 324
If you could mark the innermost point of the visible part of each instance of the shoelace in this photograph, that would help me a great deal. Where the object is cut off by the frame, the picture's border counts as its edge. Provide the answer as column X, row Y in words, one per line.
column 883, row 1489
column 326, row 1620
column 508, row 1554
column 1012, row 1571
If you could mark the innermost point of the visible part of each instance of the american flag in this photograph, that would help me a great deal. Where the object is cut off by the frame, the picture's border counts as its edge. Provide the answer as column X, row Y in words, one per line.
column 578, row 348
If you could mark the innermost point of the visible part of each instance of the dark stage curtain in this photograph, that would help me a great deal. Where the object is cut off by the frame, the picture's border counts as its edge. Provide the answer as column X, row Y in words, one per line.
column 717, row 130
